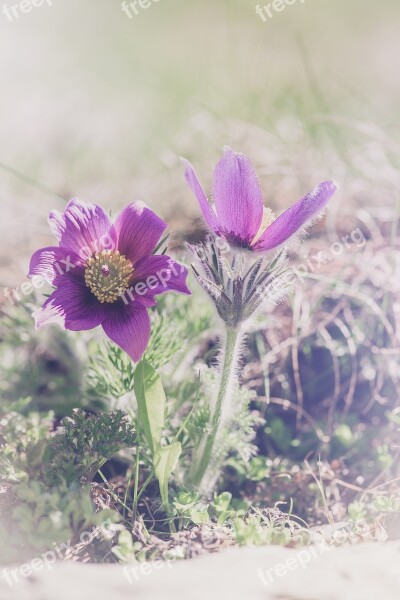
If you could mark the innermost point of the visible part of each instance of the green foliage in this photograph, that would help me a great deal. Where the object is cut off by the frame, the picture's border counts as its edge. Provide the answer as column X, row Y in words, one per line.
column 165, row 460
column 259, row 528
column 190, row 508
column 42, row 516
column 86, row 443
column 76, row 451
column 190, row 317
column 110, row 373
column 357, row 511
column 49, row 499
column 43, row 365
column 379, row 519
column 23, row 442
column 49, row 466
column 125, row 549
column 198, row 423
column 238, row 436
column 151, row 404
column 279, row 434
column 46, row 516
column 387, row 504
column 257, row 469
column 221, row 506
column 167, row 340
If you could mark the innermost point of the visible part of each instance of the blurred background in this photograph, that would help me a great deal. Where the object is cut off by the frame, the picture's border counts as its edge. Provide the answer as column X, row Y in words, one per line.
column 98, row 105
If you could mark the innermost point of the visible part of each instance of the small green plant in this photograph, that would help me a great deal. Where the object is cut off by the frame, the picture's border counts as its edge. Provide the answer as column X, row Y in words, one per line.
column 86, row 443
column 387, row 504
column 260, row 528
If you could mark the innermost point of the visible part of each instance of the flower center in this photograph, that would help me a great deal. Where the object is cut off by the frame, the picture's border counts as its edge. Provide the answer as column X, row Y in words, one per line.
column 108, row 274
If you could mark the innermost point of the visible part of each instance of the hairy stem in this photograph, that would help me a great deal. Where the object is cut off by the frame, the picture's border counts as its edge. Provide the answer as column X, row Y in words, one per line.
column 205, row 467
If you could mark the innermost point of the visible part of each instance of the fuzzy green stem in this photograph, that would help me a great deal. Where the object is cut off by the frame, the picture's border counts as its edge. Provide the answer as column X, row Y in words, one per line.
column 225, row 390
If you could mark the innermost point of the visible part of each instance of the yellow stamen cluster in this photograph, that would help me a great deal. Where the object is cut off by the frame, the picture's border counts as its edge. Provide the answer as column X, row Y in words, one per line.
column 108, row 274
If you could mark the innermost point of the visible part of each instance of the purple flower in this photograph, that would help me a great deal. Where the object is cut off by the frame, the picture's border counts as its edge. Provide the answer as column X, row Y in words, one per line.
column 238, row 213
column 106, row 273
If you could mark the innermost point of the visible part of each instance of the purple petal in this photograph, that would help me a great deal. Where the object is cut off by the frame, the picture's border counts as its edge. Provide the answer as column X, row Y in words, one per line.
column 155, row 275
column 83, row 228
column 237, row 197
column 296, row 217
column 194, row 184
column 129, row 327
column 139, row 230
column 52, row 262
column 71, row 305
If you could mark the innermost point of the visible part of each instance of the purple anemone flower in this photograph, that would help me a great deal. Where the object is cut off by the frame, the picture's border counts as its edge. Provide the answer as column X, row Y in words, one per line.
column 238, row 213
column 106, row 273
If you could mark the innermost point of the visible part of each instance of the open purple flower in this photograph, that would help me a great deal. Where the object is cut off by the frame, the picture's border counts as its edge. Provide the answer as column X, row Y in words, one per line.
column 238, row 213
column 106, row 273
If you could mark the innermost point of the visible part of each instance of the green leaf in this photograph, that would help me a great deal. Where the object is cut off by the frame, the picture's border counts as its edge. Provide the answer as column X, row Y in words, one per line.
column 222, row 502
column 151, row 401
column 200, row 517
column 165, row 460
column 124, row 550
